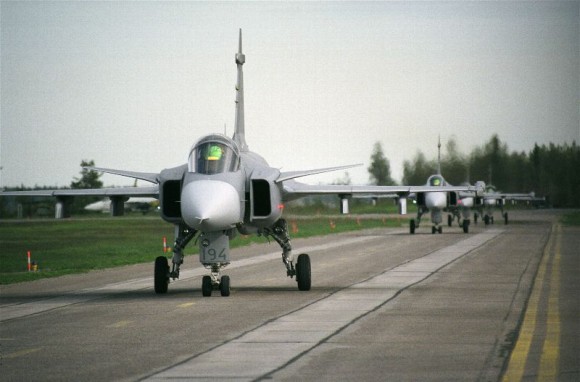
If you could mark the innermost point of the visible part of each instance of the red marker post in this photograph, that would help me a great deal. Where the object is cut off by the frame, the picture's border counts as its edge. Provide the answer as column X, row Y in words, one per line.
column 29, row 265
column 164, row 244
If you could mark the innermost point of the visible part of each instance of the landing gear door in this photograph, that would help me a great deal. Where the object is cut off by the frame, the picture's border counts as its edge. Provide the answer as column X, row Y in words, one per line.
column 214, row 247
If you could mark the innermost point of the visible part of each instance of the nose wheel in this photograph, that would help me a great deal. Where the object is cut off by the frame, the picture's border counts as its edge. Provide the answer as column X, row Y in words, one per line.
column 208, row 285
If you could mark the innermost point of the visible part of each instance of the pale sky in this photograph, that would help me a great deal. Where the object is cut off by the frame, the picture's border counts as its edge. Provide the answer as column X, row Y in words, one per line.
column 133, row 85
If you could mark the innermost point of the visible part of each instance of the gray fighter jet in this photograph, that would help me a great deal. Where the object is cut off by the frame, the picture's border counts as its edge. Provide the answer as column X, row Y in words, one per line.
column 444, row 197
column 492, row 198
column 225, row 189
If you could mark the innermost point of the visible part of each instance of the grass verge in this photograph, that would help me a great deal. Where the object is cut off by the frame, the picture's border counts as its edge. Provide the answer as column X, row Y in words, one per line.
column 572, row 218
column 61, row 247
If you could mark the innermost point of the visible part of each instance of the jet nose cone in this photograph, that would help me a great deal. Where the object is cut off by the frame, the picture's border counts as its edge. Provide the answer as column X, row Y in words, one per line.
column 467, row 202
column 209, row 205
column 436, row 200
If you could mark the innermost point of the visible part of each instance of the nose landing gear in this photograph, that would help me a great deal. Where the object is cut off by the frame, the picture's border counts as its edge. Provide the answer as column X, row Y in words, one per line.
column 209, row 283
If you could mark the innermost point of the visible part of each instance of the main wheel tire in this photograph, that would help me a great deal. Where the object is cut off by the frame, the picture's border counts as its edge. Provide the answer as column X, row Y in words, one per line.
column 206, row 286
column 412, row 227
column 303, row 272
column 440, row 229
column 505, row 216
column 449, row 220
column 486, row 219
column 225, row 286
column 433, row 230
column 161, row 275
column 475, row 218
column 465, row 226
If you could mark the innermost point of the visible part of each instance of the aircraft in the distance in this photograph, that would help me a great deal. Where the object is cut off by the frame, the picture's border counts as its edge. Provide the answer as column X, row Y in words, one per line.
column 441, row 199
column 223, row 189
column 493, row 198
column 143, row 204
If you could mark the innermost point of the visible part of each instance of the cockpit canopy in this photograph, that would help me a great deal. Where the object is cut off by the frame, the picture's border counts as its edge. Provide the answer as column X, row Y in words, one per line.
column 214, row 154
column 436, row 181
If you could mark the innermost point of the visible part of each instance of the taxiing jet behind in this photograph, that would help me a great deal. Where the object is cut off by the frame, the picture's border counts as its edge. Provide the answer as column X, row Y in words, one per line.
column 444, row 197
column 225, row 189
column 492, row 199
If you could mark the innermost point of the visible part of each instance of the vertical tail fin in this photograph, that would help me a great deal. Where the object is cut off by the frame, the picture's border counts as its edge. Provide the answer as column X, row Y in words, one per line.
column 239, row 128
column 439, row 156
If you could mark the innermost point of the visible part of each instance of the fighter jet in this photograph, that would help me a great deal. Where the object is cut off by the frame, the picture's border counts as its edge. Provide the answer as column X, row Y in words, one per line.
column 225, row 189
column 444, row 198
column 466, row 202
column 143, row 205
column 492, row 199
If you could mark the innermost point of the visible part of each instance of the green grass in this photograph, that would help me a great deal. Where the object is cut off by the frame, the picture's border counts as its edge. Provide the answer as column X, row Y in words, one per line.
column 356, row 206
column 572, row 218
column 61, row 247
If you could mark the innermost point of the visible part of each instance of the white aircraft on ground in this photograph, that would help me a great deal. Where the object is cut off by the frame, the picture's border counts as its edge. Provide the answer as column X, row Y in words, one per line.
column 492, row 199
column 223, row 189
column 136, row 203
column 458, row 201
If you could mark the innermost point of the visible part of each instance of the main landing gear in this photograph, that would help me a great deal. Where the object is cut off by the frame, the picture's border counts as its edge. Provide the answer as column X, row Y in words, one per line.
column 279, row 232
column 214, row 255
column 414, row 224
column 463, row 223
column 487, row 219
column 161, row 273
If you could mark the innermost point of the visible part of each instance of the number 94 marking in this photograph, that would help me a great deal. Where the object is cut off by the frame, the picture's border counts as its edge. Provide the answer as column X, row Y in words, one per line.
column 212, row 255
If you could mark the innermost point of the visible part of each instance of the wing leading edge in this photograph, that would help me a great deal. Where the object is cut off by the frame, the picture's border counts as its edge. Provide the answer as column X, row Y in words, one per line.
column 293, row 189
column 115, row 191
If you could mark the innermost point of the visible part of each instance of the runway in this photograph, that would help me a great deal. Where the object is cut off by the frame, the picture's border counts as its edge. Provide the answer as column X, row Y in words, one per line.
column 385, row 305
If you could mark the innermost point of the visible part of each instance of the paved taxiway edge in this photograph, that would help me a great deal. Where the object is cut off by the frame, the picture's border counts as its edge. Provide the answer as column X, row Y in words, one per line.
column 261, row 352
column 19, row 310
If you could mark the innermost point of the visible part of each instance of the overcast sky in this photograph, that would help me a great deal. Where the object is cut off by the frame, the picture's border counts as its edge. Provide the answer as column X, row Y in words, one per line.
column 133, row 85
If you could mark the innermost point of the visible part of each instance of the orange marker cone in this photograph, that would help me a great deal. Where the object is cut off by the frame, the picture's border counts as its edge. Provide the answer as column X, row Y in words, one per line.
column 294, row 227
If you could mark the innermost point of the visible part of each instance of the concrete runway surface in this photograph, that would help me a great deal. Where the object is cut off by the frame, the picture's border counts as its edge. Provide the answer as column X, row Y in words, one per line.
column 498, row 303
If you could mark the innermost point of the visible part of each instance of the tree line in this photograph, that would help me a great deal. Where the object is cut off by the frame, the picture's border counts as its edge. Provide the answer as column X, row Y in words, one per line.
column 550, row 170
column 22, row 206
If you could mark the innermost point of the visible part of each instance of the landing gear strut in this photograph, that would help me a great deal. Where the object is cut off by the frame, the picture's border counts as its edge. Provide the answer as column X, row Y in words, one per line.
column 414, row 223
column 161, row 272
column 279, row 232
column 214, row 255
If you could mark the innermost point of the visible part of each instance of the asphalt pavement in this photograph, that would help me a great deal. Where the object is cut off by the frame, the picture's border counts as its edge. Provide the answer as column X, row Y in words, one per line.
column 497, row 303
